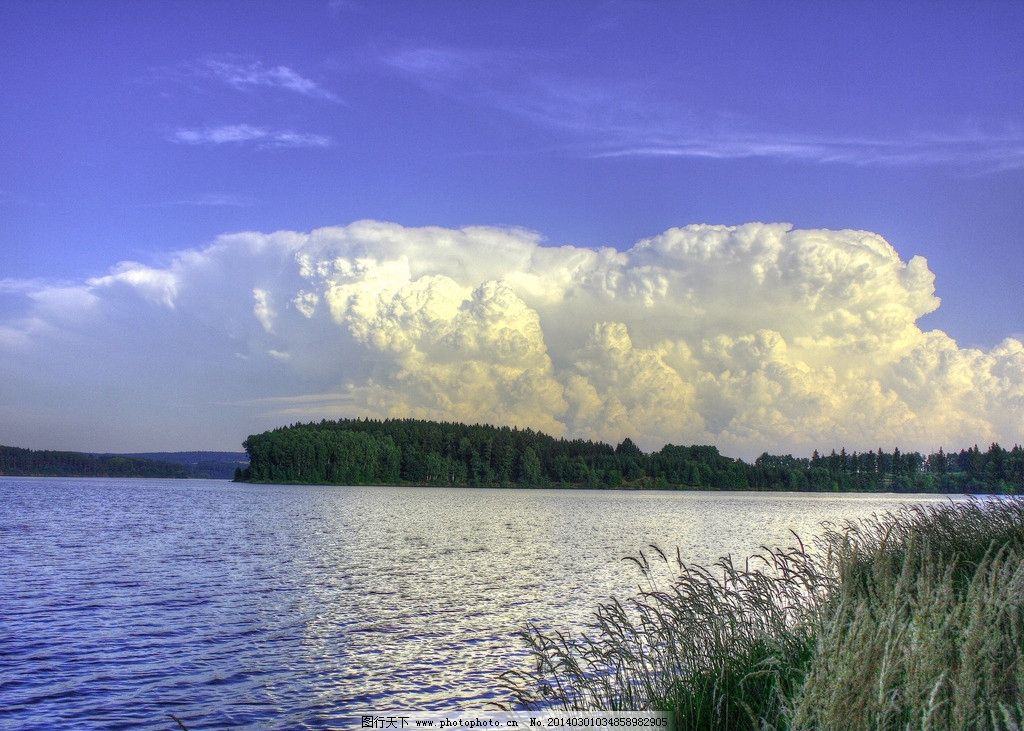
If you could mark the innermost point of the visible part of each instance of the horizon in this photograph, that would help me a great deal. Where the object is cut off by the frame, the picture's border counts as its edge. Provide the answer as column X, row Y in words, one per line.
column 224, row 219
column 952, row 450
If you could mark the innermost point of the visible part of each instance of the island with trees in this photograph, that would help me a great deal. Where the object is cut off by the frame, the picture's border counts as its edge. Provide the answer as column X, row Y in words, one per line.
column 413, row 451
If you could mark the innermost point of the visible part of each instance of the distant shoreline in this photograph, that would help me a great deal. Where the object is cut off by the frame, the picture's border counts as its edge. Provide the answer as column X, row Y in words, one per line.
column 181, row 478
column 560, row 488
column 593, row 488
column 20, row 462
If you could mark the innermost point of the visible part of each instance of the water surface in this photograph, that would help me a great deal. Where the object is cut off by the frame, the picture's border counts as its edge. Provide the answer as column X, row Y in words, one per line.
column 265, row 606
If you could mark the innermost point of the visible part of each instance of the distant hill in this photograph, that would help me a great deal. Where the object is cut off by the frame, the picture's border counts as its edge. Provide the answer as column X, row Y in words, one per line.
column 42, row 462
column 46, row 463
column 213, row 465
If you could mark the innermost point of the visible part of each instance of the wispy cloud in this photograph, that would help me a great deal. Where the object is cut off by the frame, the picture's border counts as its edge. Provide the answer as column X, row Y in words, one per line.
column 248, row 75
column 239, row 134
column 442, row 62
column 212, row 200
column 337, row 7
column 987, row 153
column 630, row 118
column 316, row 403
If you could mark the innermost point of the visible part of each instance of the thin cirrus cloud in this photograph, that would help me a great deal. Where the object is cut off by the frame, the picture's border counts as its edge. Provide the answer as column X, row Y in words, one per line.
column 241, row 134
column 253, row 75
column 626, row 118
column 987, row 153
column 752, row 337
column 245, row 75
column 212, row 200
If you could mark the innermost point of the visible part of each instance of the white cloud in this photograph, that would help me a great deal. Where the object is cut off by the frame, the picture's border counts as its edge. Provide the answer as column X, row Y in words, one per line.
column 159, row 286
column 633, row 117
column 248, row 75
column 246, row 133
column 263, row 309
column 987, row 152
column 749, row 337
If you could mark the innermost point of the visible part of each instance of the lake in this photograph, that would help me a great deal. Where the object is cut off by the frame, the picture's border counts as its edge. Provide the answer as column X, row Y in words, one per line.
column 266, row 606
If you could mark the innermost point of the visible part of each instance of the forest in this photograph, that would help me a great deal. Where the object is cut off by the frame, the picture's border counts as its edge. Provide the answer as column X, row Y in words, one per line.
column 41, row 462
column 412, row 451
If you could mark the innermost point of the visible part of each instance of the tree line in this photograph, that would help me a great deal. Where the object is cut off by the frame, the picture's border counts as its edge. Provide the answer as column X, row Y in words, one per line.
column 42, row 462
column 393, row 451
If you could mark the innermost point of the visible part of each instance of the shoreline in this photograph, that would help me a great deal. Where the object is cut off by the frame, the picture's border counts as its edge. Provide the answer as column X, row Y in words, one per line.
column 910, row 615
column 559, row 488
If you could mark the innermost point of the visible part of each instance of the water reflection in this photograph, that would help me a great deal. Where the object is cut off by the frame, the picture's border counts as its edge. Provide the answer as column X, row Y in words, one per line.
column 292, row 607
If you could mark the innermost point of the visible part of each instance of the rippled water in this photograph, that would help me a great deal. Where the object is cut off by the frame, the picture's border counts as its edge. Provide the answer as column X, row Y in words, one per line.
column 124, row 601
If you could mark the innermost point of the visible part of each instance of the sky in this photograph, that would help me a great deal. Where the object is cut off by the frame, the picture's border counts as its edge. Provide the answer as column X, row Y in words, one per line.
column 780, row 226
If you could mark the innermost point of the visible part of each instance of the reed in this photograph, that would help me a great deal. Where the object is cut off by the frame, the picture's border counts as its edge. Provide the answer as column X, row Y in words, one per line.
column 911, row 620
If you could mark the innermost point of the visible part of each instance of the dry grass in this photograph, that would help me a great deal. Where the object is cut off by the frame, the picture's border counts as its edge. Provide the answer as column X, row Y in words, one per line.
column 912, row 620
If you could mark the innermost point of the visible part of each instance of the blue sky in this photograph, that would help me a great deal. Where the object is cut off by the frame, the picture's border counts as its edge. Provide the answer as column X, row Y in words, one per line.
column 134, row 130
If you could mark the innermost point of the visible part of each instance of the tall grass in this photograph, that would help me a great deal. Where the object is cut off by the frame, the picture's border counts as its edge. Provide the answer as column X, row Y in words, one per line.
column 910, row 620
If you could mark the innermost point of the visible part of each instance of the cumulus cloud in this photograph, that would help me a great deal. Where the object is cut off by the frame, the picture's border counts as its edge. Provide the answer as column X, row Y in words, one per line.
column 263, row 309
column 749, row 337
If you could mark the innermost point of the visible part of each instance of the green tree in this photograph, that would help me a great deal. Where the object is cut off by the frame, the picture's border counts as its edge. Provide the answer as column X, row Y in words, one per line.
column 529, row 468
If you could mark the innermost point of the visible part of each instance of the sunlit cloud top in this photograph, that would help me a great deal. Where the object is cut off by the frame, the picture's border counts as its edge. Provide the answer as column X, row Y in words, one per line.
column 749, row 337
